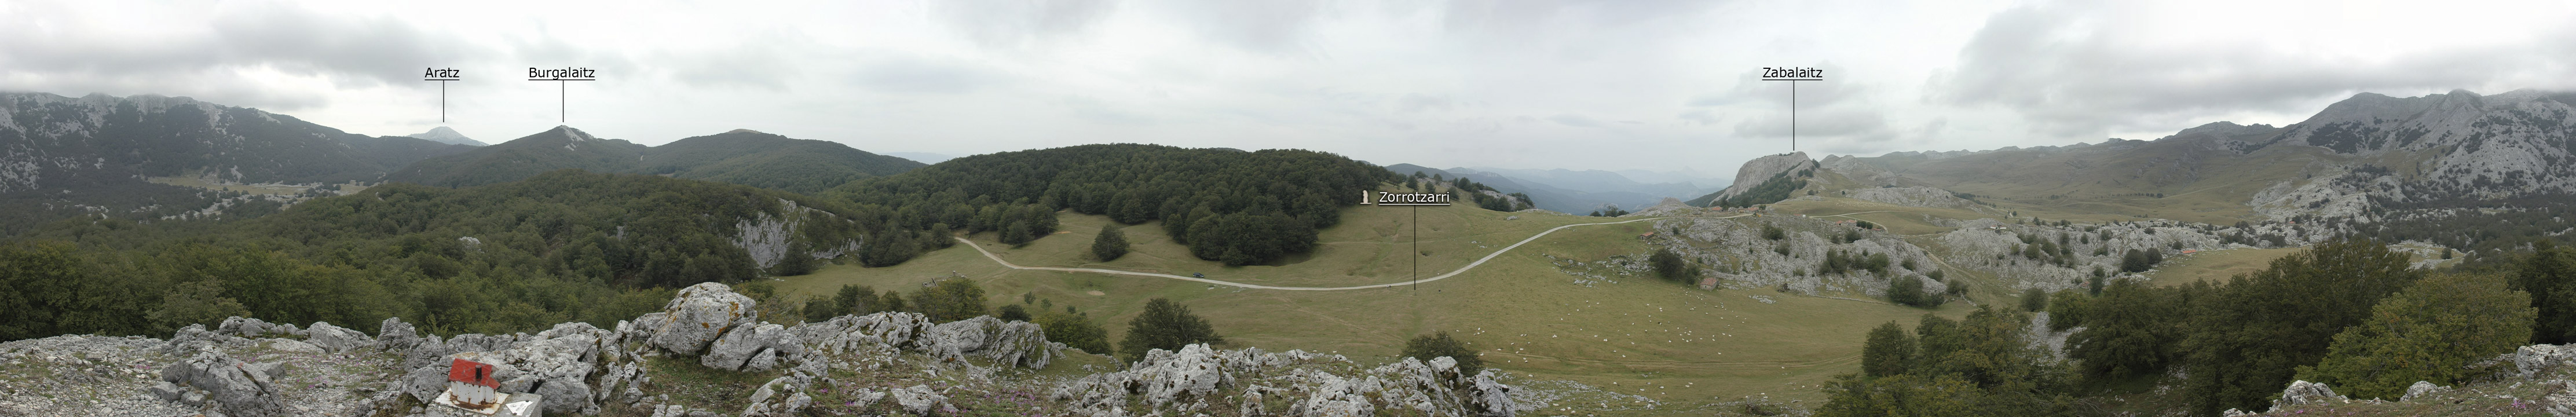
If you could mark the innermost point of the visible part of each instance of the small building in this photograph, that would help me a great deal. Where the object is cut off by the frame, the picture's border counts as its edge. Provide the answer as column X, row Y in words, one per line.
column 471, row 383
column 1709, row 283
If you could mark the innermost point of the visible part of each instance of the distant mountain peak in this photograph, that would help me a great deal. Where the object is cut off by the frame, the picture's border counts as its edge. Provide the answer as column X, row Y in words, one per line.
column 442, row 134
column 575, row 134
column 745, row 131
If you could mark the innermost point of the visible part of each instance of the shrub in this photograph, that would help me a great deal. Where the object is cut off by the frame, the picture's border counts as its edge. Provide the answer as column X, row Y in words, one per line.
column 1164, row 325
column 2034, row 300
column 1012, row 312
column 951, row 300
column 1888, row 352
column 1439, row 344
column 2429, row 332
column 1110, row 244
column 1075, row 330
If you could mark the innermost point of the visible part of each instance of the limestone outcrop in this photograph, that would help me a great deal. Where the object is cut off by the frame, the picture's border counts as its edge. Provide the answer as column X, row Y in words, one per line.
column 701, row 314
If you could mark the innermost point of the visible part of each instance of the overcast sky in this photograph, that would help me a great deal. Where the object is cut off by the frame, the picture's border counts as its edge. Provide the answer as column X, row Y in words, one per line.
column 1656, row 85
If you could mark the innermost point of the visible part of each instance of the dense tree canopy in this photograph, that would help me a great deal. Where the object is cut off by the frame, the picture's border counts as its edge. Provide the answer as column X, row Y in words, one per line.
column 1238, row 207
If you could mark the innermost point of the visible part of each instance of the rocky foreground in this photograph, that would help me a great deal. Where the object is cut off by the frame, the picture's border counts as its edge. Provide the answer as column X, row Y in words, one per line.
column 707, row 354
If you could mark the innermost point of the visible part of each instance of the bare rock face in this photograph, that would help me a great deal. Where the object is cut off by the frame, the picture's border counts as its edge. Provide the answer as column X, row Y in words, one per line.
column 1762, row 169
column 701, row 314
column 2534, row 359
column 894, row 330
column 2421, row 389
column 254, row 328
column 1184, row 382
column 395, row 334
column 919, row 399
column 1009, row 342
column 2305, row 393
column 1911, row 197
column 243, row 389
column 737, row 348
column 337, row 339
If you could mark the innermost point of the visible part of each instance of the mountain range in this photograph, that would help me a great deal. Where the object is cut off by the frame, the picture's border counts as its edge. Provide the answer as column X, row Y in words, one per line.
column 740, row 156
column 1565, row 191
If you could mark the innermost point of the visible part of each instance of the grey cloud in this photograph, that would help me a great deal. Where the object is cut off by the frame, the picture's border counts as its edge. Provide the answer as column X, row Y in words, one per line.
column 1018, row 22
column 1416, row 102
column 1276, row 27
column 909, row 74
column 1575, row 120
column 1701, row 117
column 2070, row 71
column 74, row 53
column 1842, row 123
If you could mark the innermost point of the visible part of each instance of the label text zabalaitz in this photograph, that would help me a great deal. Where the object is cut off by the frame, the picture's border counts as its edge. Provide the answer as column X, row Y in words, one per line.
column 1406, row 199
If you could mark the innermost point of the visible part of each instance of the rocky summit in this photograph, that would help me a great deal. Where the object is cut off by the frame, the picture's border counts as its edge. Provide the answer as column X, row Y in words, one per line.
column 707, row 353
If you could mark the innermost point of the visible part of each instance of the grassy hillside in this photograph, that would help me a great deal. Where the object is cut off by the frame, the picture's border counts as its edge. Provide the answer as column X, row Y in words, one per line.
column 1640, row 336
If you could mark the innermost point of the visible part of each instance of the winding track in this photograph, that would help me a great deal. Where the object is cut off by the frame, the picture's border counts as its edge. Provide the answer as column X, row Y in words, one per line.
column 1461, row 270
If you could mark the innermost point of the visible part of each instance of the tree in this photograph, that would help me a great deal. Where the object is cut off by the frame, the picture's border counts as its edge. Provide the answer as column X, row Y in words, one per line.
column 1013, row 312
column 2129, row 330
column 1901, row 395
column 1164, row 325
column 200, row 302
column 2034, row 300
column 854, row 300
column 2549, row 275
column 1110, row 244
column 892, row 301
column 2256, row 330
column 2429, row 332
column 1909, row 291
column 1074, row 330
column 1888, row 352
column 1439, row 344
column 2135, row 261
column 951, row 300
column 1670, row 266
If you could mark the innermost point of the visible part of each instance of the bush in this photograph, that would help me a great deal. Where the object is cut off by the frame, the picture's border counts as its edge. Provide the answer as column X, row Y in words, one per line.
column 2034, row 300
column 855, row 300
column 1110, row 244
column 951, row 300
column 1889, row 351
column 1774, row 232
column 1076, row 331
column 1670, row 266
column 1439, row 344
column 2429, row 332
column 2066, row 309
column 1164, row 325
column 1012, row 312
column 1909, row 291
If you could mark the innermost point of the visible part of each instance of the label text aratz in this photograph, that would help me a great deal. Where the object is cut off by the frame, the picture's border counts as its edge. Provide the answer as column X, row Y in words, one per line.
column 1405, row 199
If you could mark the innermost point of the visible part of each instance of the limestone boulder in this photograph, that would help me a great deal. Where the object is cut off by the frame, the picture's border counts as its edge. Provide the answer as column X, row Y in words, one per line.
column 242, row 388
column 337, row 339
column 1015, row 343
column 919, row 399
column 2306, row 393
column 2420, row 390
column 697, row 317
column 739, row 346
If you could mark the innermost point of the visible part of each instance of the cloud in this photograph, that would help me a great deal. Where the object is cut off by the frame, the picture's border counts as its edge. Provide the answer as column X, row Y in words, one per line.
column 2082, row 68
column 1002, row 23
column 1575, row 120
column 1275, row 27
column 228, row 53
column 1417, row 102
column 916, row 74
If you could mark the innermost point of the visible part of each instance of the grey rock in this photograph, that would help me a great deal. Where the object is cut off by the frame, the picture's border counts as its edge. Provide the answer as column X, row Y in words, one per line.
column 248, row 327
column 1489, row 398
column 242, row 389
column 766, row 360
column 164, row 390
column 2534, row 359
column 1014, row 343
column 919, row 399
column 395, row 334
column 2421, row 389
column 337, row 339
column 1758, row 170
column 2305, row 393
column 292, row 345
column 567, row 396
column 738, row 346
column 697, row 317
